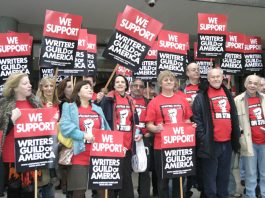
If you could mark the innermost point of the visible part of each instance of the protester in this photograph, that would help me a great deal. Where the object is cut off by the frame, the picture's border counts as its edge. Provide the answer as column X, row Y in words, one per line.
column 158, row 114
column 217, row 133
column 77, row 122
column 191, row 86
column 251, row 107
column 48, row 96
column 64, row 90
column 97, row 97
column 47, row 92
column 17, row 94
column 262, row 85
column 151, row 90
column 190, row 89
column 121, row 115
column 137, row 88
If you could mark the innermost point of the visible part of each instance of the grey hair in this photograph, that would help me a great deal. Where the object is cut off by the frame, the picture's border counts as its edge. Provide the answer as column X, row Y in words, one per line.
column 250, row 76
column 212, row 69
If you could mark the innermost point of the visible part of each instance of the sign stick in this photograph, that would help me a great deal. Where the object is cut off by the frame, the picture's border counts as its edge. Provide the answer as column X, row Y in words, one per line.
column 36, row 183
column 180, row 185
column 106, row 193
column 211, row 63
column 147, row 90
column 74, row 80
column 106, row 86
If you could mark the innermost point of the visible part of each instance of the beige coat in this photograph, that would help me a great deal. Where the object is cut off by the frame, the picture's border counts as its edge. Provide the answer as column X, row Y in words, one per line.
column 243, row 117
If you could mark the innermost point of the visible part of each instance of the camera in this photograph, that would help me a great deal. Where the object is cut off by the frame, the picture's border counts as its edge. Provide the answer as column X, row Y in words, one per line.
column 151, row 3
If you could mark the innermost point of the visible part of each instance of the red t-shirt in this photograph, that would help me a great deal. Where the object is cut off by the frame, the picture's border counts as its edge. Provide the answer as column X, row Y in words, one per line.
column 165, row 110
column 88, row 120
column 220, row 108
column 141, row 111
column 94, row 97
column 9, row 145
column 256, row 118
column 123, row 118
column 191, row 91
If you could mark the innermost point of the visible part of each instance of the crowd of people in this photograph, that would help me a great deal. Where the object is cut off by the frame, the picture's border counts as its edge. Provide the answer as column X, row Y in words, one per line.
column 225, row 127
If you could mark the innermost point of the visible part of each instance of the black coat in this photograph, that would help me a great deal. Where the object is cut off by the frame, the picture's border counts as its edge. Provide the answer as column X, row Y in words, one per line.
column 202, row 116
column 107, row 105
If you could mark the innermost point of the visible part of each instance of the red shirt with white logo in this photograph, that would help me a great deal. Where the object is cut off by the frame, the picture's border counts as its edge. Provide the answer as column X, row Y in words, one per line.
column 123, row 118
column 256, row 118
column 166, row 110
column 88, row 120
column 220, row 108
column 140, row 105
column 191, row 91
column 9, row 145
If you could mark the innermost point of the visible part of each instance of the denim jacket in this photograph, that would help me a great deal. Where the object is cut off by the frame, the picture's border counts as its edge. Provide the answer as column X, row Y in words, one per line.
column 69, row 124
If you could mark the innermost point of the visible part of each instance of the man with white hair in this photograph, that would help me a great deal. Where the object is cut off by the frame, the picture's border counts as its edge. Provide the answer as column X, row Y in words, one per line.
column 262, row 85
column 217, row 133
column 251, row 107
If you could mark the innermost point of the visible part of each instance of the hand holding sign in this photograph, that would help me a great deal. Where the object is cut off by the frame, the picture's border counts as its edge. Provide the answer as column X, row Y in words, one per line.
column 16, row 113
column 89, row 137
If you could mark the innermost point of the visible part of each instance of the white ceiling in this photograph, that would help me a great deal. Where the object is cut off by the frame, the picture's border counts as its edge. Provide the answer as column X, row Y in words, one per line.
column 177, row 15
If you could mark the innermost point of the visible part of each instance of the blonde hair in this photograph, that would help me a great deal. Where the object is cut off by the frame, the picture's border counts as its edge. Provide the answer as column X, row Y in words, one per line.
column 164, row 74
column 11, row 83
column 40, row 93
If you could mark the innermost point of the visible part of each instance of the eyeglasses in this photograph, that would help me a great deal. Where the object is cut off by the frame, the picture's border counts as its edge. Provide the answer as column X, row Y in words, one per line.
column 195, row 69
column 136, row 86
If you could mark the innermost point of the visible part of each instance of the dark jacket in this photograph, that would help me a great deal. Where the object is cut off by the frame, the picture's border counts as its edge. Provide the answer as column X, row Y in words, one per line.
column 107, row 105
column 202, row 116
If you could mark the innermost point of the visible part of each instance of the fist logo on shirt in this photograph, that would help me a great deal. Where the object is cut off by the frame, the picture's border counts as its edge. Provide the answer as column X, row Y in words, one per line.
column 139, row 111
column 222, row 105
column 173, row 115
column 123, row 115
column 257, row 112
column 193, row 96
column 88, row 124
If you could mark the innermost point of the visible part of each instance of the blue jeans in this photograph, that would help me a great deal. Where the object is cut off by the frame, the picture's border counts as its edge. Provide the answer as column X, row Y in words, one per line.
column 251, row 164
column 216, row 171
column 242, row 168
column 232, row 180
column 46, row 191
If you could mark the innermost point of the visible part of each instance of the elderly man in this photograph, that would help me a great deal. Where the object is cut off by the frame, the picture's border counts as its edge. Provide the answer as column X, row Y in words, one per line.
column 217, row 133
column 262, row 85
column 251, row 107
